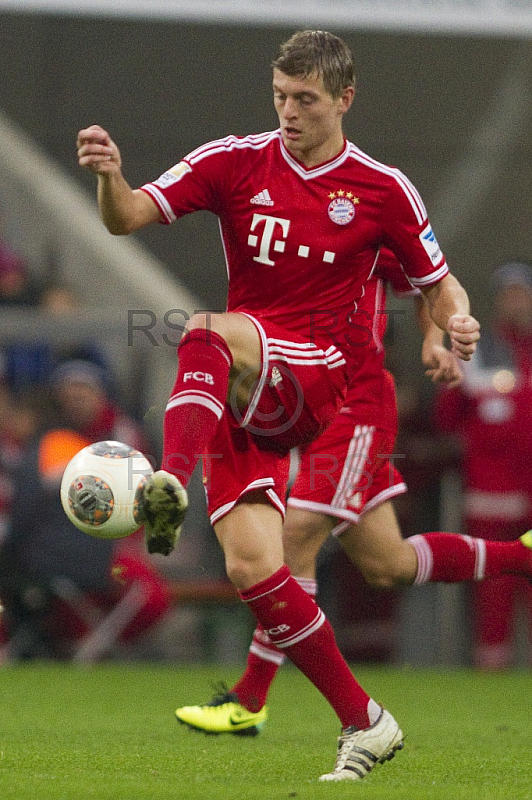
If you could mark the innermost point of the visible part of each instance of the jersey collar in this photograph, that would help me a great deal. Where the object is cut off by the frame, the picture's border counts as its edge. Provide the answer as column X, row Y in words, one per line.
column 314, row 172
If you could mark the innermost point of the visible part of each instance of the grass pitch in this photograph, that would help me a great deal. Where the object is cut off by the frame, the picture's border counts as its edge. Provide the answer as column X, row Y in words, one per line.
column 109, row 732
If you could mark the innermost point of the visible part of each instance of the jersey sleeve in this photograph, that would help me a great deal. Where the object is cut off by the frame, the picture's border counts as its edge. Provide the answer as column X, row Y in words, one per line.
column 196, row 183
column 408, row 233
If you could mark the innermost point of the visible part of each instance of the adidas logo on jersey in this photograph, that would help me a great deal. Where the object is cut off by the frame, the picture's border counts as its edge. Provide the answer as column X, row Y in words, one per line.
column 262, row 199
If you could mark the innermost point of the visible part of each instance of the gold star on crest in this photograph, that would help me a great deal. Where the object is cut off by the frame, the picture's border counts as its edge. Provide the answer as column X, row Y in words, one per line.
column 342, row 193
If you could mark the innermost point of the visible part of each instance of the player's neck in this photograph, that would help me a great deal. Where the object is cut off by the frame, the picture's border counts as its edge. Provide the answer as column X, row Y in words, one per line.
column 315, row 156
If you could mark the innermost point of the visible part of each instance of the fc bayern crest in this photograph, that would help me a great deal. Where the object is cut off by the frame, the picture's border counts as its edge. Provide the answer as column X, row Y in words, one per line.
column 341, row 210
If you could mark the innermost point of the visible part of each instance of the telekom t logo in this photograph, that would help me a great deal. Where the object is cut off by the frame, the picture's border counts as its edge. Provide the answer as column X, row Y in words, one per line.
column 268, row 230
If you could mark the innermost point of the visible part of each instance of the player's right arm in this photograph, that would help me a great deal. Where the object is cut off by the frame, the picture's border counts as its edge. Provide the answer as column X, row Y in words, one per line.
column 448, row 305
column 122, row 209
column 441, row 365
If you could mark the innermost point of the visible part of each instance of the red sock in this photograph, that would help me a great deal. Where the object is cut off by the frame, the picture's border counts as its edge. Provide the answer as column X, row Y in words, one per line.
column 252, row 688
column 454, row 557
column 294, row 623
column 494, row 604
column 508, row 558
column 197, row 401
column 264, row 659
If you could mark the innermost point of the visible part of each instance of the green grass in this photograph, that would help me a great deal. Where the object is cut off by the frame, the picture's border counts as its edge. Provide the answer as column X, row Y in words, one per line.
column 108, row 732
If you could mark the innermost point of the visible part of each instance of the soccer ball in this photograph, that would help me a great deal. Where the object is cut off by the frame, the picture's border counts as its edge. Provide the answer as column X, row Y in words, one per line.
column 101, row 489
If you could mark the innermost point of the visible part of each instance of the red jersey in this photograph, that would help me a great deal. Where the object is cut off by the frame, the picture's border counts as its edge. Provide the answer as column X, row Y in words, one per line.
column 301, row 243
column 371, row 393
column 349, row 468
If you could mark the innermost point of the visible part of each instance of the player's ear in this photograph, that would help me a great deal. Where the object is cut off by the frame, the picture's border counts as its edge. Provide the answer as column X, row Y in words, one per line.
column 346, row 98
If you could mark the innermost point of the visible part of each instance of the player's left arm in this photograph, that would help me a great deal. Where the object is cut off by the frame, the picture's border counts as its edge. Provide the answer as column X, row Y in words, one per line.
column 448, row 305
column 407, row 231
column 441, row 365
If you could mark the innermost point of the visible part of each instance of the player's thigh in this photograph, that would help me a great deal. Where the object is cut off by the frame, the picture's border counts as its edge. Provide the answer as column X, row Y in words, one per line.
column 375, row 545
column 251, row 538
column 304, row 532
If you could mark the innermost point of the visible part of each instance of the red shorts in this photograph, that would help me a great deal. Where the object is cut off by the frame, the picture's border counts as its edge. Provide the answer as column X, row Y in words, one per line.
column 347, row 471
column 299, row 392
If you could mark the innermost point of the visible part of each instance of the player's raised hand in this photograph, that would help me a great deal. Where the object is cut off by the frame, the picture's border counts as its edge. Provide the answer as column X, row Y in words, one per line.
column 97, row 152
column 441, row 365
column 464, row 333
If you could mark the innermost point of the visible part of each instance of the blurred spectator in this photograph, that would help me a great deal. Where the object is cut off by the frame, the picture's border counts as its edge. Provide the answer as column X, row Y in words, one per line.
column 43, row 552
column 21, row 417
column 6, row 459
column 17, row 288
column 31, row 360
column 82, row 391
column 492, row 414
column 59, row 301
column 21, row 363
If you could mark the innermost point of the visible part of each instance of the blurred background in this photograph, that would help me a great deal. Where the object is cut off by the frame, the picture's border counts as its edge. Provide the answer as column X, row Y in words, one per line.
column 444, row 91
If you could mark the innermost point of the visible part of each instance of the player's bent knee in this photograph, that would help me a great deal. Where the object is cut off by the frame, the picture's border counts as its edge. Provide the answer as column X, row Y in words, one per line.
column 381, row 581
column 384, row 576
column 207, row 322
column 245, row 574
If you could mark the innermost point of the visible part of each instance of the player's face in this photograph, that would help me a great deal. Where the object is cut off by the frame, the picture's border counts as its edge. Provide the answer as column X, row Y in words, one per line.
column 310, row 117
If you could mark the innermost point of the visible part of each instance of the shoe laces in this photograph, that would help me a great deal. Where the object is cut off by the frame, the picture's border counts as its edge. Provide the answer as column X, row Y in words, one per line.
column 222, row 695
column 345, row 744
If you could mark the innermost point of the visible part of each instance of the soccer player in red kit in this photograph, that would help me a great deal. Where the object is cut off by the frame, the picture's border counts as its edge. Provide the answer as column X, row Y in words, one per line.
column 347, row 479
column 303, row 214
column 345, row 483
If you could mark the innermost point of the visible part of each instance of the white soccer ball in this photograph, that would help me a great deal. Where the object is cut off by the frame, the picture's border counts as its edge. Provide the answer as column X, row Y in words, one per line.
column 101, row 489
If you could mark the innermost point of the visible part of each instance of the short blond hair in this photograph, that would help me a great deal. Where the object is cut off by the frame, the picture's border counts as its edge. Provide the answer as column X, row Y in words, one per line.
column 317, row 53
